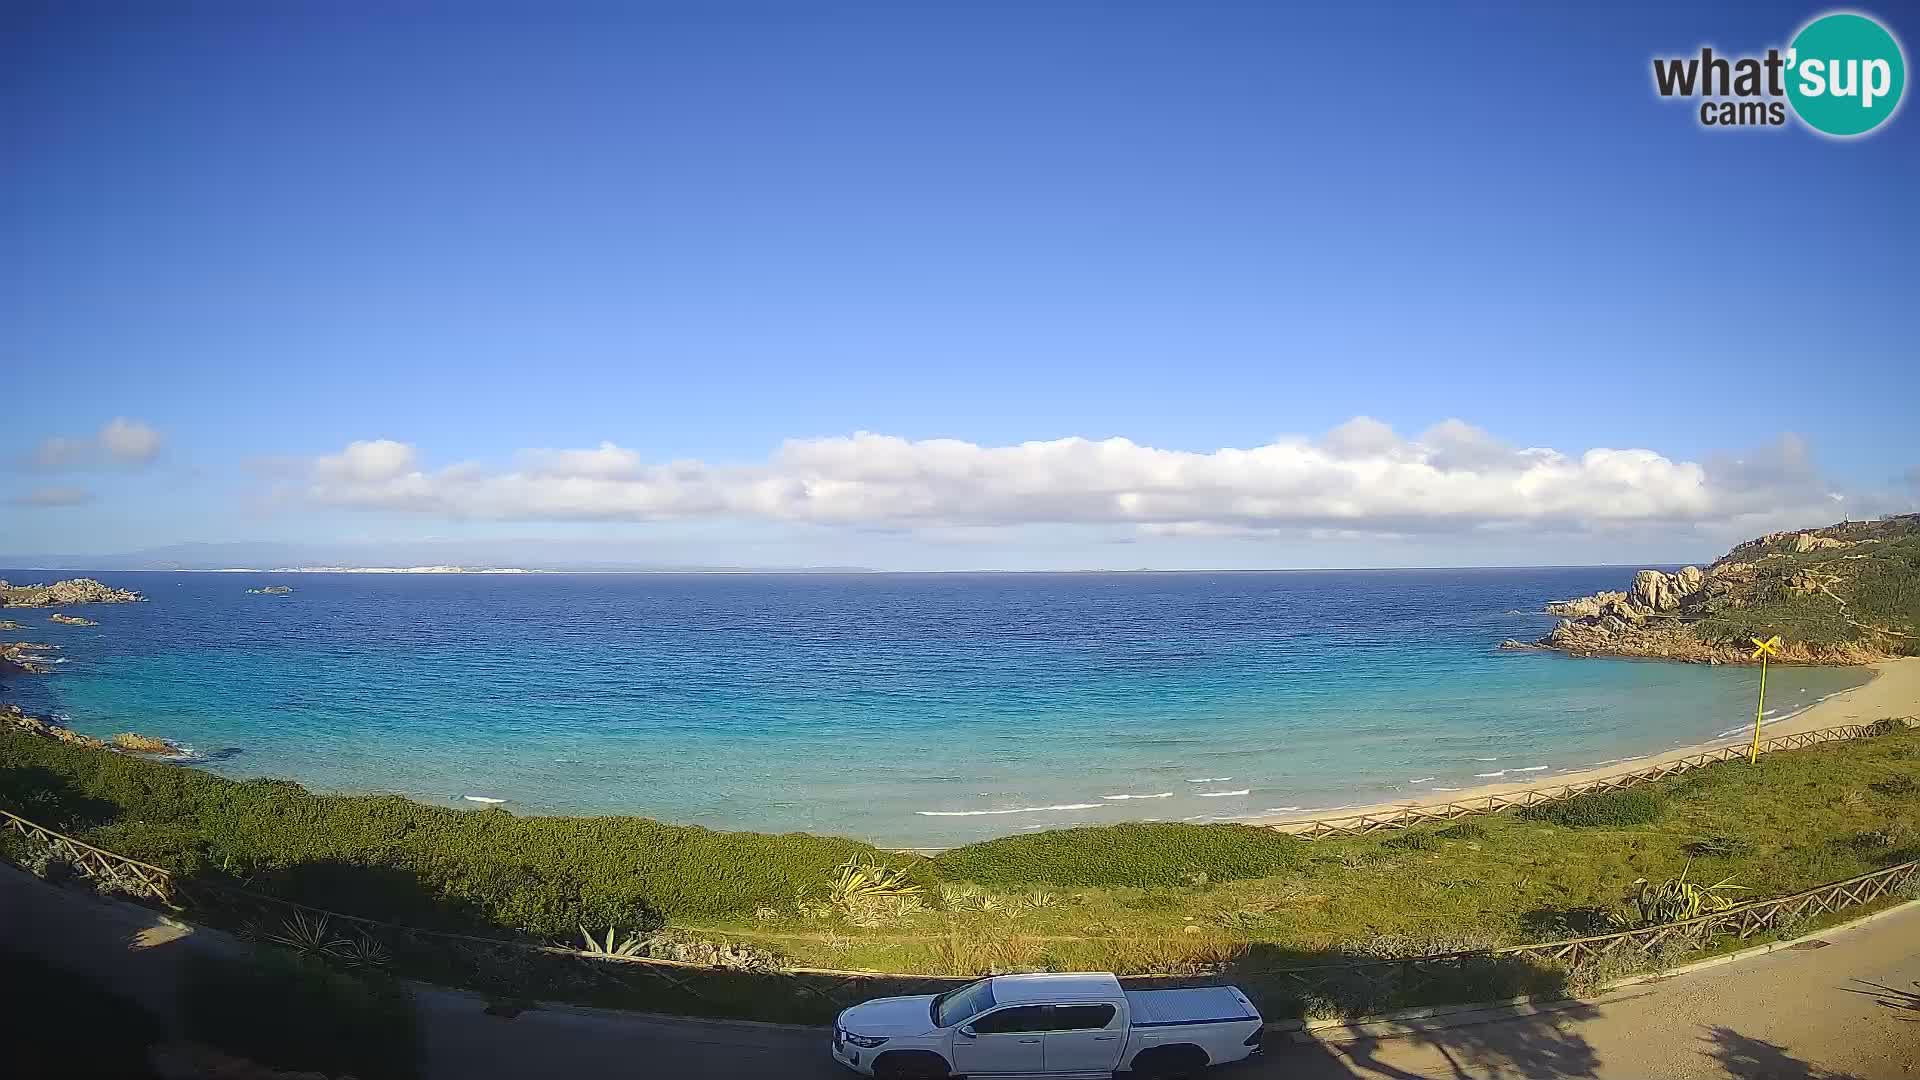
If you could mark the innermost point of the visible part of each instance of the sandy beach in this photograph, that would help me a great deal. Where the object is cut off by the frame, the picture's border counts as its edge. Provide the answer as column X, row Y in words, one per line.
column 1894, row 690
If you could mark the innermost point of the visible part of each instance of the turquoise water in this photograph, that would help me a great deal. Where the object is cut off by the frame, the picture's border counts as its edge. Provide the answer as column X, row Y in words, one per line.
column 905, row 709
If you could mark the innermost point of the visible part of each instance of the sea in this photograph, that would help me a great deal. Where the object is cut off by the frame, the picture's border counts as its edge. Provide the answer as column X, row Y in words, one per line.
column 912, row 710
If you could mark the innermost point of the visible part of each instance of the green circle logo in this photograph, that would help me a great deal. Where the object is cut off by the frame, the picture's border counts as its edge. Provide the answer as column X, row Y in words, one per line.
column 1845, row 74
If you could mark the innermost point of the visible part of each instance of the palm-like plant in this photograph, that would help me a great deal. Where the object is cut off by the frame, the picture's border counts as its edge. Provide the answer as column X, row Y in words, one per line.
column 303, row 933
column 1672, row 901
column 856, row 879
column 629, row 946
column 360, row 952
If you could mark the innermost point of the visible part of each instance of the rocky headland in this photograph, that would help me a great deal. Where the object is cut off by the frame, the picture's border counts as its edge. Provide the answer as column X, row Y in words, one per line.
column 11, row 716
column 1846, row 594
column 65, row 594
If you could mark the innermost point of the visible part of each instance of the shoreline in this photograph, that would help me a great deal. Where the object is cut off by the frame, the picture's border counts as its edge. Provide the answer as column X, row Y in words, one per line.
column 1894, row 690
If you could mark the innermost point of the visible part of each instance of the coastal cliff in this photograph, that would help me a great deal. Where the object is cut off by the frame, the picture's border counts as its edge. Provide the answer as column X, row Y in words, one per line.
column 65, row 594
column 1845, row 594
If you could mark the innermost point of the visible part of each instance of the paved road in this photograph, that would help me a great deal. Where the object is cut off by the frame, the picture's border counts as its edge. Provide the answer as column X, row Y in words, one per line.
column 1848, row 1009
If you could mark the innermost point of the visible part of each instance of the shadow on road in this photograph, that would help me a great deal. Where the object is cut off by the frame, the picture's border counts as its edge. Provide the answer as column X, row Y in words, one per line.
column 1746, row 1058
column 1901, row 1001
column 1534, row 1048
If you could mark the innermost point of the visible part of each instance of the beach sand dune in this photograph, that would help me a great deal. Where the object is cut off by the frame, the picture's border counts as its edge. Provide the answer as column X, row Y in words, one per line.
column 1894, row 690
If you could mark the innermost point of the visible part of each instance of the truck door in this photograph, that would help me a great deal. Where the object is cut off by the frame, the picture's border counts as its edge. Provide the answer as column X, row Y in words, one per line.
column 1084, row 1039
column 1004, row 1041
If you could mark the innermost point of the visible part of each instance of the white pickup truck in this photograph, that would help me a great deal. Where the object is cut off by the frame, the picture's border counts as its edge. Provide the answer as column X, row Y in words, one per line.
column 1055, row 1025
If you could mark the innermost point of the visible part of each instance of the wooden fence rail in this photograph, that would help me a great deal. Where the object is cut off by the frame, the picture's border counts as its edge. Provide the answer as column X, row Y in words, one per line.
column 1407, row 816
column 1408, row 979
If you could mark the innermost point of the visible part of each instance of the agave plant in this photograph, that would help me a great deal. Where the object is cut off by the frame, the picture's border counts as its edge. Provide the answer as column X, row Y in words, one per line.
column 360, row 952
column 303, row 933
column 856, row 879
column 1671, row 901
column 614, row 945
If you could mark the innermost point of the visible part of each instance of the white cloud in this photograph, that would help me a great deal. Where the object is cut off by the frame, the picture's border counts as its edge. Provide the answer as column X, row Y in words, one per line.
column 119, row 441
column 129, row 440
column 47, row 497
column 368, row 461
column 1361, row 479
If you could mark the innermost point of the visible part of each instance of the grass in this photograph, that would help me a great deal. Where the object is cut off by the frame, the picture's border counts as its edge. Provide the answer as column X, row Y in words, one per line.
column 1603, row 809
column 1130, row 898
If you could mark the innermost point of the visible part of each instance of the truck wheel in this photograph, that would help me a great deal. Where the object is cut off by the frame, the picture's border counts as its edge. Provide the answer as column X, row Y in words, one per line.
column 910, row 1065
column 1179, row 1062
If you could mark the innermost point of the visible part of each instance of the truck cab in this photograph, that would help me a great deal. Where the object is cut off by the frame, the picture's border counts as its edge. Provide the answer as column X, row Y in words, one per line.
column 1047, row 1025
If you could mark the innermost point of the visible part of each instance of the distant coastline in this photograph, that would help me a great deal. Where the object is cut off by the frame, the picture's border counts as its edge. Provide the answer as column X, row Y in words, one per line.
column 358, row 570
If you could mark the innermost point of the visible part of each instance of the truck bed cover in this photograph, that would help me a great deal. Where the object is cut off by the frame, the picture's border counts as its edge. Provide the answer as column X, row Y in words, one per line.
column 1198, row 1005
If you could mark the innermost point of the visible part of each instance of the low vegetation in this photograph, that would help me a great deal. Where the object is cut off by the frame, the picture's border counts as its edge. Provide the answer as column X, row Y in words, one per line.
column 389, row 858
column 1133, row 898
column 1141, row 856
column 1602, row 809
column 1860, row 583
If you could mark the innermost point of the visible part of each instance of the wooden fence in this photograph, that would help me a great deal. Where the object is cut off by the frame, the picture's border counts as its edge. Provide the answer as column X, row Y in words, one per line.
column 104, row 868
column 1544, row 967
column 1279, row 981
column 1407, row 816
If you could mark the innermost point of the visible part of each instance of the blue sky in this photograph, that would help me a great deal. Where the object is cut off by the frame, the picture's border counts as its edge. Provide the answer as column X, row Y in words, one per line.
column 698, row 231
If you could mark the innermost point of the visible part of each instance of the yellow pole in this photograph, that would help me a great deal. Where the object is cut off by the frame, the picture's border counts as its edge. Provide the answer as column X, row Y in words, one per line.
column 1753, row 755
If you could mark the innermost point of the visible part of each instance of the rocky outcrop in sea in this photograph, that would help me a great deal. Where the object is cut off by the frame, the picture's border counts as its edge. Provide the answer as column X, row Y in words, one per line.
column 65, row 594
column 12, row 717
column 28, row 656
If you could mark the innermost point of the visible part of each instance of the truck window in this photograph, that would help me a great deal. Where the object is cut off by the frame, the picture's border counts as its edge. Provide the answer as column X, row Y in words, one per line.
column 963, row 1003
column 1080, row 1017
column 1017, row 1019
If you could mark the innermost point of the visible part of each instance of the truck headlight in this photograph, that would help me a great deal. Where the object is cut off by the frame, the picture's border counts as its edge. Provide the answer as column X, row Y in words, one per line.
column 864, row 1041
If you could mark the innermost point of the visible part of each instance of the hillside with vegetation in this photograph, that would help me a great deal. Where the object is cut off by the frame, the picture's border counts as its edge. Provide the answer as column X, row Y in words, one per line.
column 1845, row 594
column 1130, row 898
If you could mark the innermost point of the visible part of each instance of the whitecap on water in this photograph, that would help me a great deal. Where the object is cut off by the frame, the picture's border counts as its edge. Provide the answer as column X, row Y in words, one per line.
column 1011, row 810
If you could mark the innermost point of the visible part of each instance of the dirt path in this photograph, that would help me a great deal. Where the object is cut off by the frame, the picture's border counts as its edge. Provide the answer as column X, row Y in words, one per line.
column 1845, row 1008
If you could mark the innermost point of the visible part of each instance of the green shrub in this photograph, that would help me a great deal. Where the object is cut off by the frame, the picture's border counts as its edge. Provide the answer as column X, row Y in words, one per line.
column 1901, row 786
column 1414, row 841
column 388, row 858
column 1144, row 855
column 1467, row 829
column 1603, row 809
column 297, row 1013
